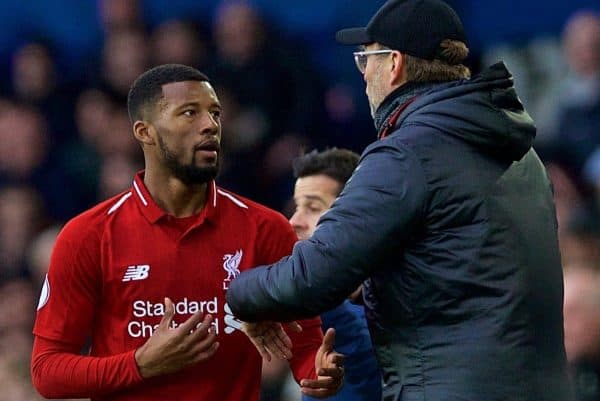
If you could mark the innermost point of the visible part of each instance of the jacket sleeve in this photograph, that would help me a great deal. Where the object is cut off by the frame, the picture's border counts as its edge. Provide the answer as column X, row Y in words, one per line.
column 377, row 211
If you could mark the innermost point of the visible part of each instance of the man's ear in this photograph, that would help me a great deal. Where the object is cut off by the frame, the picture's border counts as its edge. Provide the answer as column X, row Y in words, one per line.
column 397, row 76
column 142, row 132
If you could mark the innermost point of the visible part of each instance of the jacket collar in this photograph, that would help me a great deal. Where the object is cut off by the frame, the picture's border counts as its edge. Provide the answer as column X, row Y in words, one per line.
column 398, row 98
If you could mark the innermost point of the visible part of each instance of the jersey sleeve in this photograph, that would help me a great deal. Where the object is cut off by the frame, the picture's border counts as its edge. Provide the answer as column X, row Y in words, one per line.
column 65, row 318
column 276, row 239
column 57, row 371
column 72, row 287
column 304, row 349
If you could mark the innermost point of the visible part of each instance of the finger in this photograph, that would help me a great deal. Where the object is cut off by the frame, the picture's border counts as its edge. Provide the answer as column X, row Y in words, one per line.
column 190, row 324
column 202, row 346
column 336, row 372
column 294, row 326
column 254, row 333
column 278, row 351
column 326, row 382
column 329, row 339
column 167, row 318
column 260, row 347
column 207, row 353
column 275, row 334
column 202, row 329
column 318, row 393
column 336, row 359
column 283, row 336
column 205, row 342
column 264, row 353
column 276, row 345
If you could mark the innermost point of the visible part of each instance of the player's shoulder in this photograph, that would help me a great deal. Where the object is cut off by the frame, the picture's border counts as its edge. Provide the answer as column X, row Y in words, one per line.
column 94, row 219
column 252, row 209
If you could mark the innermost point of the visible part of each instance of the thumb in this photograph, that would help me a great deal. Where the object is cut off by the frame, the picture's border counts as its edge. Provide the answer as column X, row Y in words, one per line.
column 167, row 318
column 294, row 326
column 329, row 339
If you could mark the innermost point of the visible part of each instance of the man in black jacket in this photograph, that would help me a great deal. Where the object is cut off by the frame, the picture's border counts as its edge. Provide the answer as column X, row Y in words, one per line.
column 448, row 220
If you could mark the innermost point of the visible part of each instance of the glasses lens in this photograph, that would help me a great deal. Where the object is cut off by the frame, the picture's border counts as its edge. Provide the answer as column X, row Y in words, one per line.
column 361, row 62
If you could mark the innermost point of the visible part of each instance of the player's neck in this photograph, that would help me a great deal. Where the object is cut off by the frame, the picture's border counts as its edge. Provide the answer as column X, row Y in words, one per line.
column 175, row 197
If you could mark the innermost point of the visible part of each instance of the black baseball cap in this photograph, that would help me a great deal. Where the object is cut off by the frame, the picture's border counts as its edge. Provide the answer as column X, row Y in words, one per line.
column 414, row 27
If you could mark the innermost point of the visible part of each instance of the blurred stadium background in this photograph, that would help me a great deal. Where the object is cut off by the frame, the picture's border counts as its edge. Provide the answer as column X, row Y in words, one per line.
column 286, row 86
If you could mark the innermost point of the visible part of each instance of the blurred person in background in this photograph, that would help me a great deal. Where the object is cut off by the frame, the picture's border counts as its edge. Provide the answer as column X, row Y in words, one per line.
column 274, row 78
column 448, row 221
column 38, row 254
column 580, row 239
column 25, row 159
column 114, row 265
column 125, row 56
column 245, row 126
column 21, row 218
column 115, row 175
column 16, row 297
column 591, row 175
column 81, row 157
column 573, row 108
column 179, row 42
column 23, row 143
column 35, row 81
column 567, row 194
column 103, row 137
column 582, row 328
column 118, row 15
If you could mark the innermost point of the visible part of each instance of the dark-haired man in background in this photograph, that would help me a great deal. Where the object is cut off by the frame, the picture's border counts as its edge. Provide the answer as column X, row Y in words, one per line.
column 449, row 218
column 144, row 274
column 320, row 177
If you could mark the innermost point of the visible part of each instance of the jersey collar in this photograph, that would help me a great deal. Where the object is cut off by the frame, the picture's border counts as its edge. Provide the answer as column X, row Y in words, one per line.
column 152, row 212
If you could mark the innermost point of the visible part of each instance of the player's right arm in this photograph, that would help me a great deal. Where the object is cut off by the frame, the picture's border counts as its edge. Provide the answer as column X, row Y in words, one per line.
column 65, row 319
column 59, row 371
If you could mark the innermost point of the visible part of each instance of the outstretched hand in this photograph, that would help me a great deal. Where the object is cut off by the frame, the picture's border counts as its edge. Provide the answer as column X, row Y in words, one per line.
column 329, row 366
column 171, row 349
column 270, row 339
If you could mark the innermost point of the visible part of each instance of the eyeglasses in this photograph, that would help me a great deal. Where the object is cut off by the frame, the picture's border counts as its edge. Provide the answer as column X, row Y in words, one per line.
column 360, row 58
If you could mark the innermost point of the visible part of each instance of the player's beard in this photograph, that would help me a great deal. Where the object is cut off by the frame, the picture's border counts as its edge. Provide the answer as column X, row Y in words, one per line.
column 189, row 174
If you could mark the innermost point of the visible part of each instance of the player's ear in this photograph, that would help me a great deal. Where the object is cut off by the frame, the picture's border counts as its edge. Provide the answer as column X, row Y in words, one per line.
column 142, row 131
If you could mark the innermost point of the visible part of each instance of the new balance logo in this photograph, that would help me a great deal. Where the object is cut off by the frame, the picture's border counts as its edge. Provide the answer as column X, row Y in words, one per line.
column 136, row 272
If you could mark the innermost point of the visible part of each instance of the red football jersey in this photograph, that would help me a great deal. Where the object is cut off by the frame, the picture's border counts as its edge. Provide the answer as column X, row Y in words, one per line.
column 113, row 265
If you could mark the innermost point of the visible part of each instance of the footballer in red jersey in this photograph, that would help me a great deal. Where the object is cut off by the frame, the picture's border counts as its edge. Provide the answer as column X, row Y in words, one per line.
column 142, row 276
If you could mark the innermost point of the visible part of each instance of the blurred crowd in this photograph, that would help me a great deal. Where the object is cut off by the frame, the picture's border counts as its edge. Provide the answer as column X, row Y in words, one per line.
column 66, row 144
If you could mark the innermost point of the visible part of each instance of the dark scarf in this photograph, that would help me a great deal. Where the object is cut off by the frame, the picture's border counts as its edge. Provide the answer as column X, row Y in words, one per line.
column 397, row 99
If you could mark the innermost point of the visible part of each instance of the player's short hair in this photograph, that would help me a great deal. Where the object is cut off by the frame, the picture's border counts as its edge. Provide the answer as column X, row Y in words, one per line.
column 335, row 163
column 147, row 88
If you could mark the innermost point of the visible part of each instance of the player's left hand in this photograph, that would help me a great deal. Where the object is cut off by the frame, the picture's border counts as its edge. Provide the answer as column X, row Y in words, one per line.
column 270, row 339
column 329, row 366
